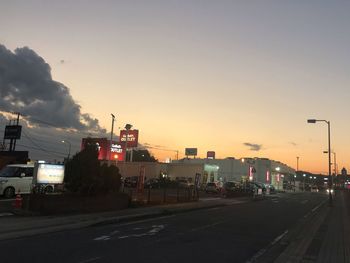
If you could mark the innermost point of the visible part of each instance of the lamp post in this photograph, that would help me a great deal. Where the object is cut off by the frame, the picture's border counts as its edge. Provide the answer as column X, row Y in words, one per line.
column 329, row 157
column 304, row 175
column 335, row 164
column 297, row 163
column 127, row 128
column 110, row 143
column 70, row 146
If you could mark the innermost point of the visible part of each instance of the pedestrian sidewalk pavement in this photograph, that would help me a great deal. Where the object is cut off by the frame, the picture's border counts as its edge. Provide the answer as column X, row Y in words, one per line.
column 323, row 237
column 22, row 226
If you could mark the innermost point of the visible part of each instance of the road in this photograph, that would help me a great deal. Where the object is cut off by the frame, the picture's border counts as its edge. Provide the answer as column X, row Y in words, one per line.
column 233, row 233
column 6, row 206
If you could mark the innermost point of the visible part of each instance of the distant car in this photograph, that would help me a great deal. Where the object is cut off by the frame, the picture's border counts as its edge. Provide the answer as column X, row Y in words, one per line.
column 212, row 188
column 314, row 189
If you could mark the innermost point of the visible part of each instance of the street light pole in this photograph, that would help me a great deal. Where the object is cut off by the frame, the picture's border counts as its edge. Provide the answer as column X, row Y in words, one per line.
column 110, row 143
column 70, row 145
column 297, row 163
column 329, row 157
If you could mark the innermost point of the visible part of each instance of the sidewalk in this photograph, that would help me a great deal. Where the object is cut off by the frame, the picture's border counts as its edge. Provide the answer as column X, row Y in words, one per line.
column 19, row 226
column 323, row 236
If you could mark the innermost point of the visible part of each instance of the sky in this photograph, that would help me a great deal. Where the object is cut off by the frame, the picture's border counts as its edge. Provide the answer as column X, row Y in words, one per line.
column 237, row 77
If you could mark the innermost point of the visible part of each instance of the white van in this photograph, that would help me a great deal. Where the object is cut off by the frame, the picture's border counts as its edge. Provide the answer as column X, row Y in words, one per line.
column 16, row 178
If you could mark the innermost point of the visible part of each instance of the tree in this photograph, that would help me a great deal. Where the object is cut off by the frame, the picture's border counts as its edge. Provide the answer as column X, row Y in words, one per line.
column 85, row 175
column 143, row 156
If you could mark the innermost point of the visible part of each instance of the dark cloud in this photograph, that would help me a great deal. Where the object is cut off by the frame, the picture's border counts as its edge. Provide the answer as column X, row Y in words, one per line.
column 26, row 86
column 293, row 143
column 253, row 146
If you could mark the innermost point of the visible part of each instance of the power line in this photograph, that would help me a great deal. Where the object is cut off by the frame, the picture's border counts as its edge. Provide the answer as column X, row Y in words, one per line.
column 39, row 147
column 35, row 148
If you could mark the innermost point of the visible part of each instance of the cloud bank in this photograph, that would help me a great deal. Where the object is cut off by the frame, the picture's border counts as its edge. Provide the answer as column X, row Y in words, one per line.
column 26, row 86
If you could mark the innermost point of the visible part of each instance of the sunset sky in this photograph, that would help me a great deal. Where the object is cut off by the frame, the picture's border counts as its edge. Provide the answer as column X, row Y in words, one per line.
column 215, row 75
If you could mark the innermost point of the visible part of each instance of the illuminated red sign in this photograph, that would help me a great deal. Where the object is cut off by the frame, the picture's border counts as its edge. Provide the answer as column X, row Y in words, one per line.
column 117, row 152
column 133, row 137
column 210, row 154
column 267, row 176
column 100, row 143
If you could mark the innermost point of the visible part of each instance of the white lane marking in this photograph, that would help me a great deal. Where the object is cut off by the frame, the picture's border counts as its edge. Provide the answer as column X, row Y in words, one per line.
column 151, row 232
column 6, row 214
column 214, row 208
column 315, row 208
column 208, row 226
column 262, row 251
column 304, row 202
column 102, row 238
column 90, row 260
column 7, row 200
column 279, row 237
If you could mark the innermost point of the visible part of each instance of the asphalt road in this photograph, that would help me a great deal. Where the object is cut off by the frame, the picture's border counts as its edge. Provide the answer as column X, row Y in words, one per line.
column 232, row 233
column 6, row 205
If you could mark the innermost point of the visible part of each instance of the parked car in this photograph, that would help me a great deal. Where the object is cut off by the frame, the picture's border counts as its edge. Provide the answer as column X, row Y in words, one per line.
column 16, row 178
column 212, row 188
column 271, row 188
column 185, row 183
column 152, row 183
column 130, row 181
column 230, row 189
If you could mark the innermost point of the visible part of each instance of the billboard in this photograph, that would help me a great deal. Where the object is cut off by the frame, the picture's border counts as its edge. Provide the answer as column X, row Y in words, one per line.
column 210, row 155
column 191, row 151
column 102, row 145
column 48, row 173
column 133, row 137
column 12, row 132
column 117, row 151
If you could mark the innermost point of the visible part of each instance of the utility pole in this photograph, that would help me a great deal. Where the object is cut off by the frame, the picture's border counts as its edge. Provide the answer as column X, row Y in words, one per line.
column 110, row 143
column 17, row 122
column 297, row 163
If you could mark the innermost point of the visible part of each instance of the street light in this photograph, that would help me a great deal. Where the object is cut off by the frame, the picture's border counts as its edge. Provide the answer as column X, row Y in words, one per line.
column 304, row 175
column 329, row 156
column 335, row 164
column 110, row 143
column 127, row 128
column 70, row 145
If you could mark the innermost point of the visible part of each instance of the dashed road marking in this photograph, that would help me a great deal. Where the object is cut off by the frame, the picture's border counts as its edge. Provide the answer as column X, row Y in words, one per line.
column 6, row 214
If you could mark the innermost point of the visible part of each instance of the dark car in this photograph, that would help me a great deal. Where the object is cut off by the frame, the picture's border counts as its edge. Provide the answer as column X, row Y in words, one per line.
column 131, row 181
column 230, row 189
column 271, row 188
column 212, row 188
column 152, row 183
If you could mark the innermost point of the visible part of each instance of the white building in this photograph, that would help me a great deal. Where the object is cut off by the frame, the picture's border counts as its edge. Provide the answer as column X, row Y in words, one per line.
column 254, row 169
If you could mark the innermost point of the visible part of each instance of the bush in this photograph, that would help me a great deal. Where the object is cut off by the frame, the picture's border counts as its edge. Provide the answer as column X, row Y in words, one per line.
column 85, row 175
